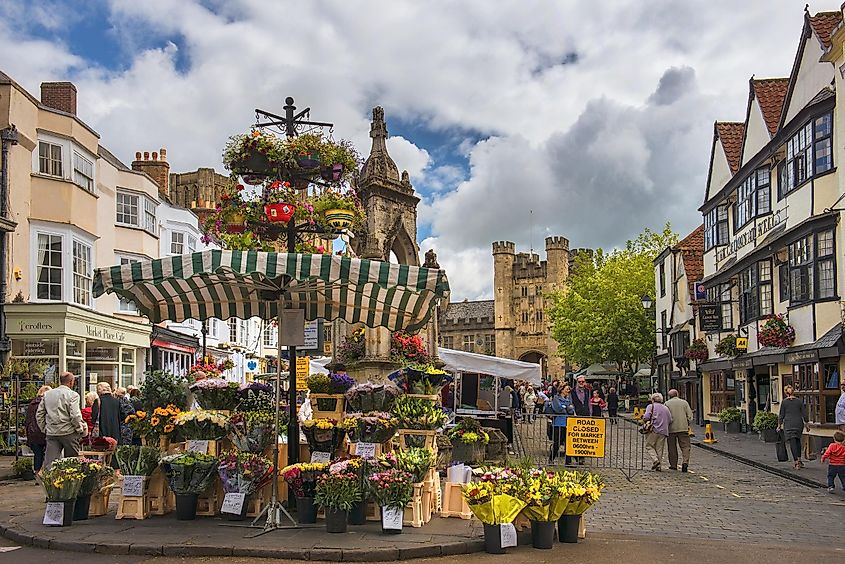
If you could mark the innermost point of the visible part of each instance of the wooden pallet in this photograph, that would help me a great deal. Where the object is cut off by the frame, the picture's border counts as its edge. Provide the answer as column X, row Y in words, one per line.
column 454, row 504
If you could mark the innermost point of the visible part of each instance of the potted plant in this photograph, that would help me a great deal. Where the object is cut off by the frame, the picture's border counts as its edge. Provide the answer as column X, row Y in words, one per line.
column 336, row 493
column 491, row 502
column 216, row 393
column 189, row 474
column 730, row 416
column 393, row 490
column 243, row 473
column 61, row 484
column 583, row 491
column 302, row 482
column 697, row 351
column 776, row 332
column 253, row 431
column 23, row 468
column 727, row 346
column 469, row 441
column 766, row 423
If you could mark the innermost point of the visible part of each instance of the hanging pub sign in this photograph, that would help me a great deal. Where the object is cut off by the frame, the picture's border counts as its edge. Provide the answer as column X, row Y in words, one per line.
column 710, row 316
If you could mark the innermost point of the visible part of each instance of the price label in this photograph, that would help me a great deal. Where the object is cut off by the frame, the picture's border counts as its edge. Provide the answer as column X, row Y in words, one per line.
column 391, row 518
column 198, row 446
column 133, row 486
column 321, row 457
column 508, row 534
column 54, row 513
column 233, row 503
column 366, row 450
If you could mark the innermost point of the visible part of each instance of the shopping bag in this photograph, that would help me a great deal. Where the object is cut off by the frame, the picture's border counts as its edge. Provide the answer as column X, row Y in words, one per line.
column 781, row 448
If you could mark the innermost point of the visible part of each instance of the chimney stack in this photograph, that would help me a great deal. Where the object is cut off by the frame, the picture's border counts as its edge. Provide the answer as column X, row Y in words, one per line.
column 59, row 96
column 156, row 167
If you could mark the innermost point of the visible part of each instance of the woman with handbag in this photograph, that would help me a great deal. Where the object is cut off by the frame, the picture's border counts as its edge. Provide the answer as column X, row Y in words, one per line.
column 656, row 421
column 560, row 406
column 792, row 420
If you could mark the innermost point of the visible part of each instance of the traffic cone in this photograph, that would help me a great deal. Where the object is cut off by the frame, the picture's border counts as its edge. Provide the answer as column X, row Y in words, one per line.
column 709, row 438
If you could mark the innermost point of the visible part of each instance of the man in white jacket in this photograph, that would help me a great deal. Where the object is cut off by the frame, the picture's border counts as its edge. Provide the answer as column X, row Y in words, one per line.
column 60, row 418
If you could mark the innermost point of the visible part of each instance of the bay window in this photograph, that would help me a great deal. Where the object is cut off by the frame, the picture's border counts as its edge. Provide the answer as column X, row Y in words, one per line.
column 808, row 154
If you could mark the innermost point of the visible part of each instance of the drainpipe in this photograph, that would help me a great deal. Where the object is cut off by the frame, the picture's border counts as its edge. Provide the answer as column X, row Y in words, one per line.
column 8, row 137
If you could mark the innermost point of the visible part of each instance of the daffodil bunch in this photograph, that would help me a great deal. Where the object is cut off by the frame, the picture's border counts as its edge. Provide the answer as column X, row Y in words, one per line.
column 201, row 424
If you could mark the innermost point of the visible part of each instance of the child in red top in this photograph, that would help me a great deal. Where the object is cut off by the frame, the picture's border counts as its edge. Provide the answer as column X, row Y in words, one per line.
column 835, row 454
column 596, row 404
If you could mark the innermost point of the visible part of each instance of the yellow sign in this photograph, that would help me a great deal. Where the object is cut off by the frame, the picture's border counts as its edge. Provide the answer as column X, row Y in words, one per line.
column 303, row 368
column 585, row 436
column 742, row 343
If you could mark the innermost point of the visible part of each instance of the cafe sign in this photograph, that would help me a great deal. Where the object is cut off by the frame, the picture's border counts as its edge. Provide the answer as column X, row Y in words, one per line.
column 751, row 235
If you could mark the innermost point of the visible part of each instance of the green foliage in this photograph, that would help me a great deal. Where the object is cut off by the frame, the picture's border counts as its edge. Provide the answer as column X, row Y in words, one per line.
column 765, row 420
column 599, row 316
column 730, row 415
column 161, row 388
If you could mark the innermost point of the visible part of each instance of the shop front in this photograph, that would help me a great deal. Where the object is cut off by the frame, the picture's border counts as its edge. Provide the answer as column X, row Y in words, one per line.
column 94, row 346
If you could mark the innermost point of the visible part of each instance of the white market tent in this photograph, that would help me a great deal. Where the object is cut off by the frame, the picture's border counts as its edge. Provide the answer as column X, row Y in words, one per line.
column 460, row 362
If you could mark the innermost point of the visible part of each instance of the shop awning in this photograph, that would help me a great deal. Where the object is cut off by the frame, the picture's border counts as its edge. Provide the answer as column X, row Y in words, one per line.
column 461, row 361
column 244, row 284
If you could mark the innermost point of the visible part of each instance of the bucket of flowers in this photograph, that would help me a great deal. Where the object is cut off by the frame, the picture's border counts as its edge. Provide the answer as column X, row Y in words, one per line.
column 252, row 431
column 469, row 441
column 242, row 475
column 583, row 489
column 216, row 393
column 61, row 484
column 302, row 482
column 323, row 435
column 189, row 474
column 373, row 427
column 776, row 332
column 366, row 397
column 495, row 500
column 336, row 493
column 393, row 490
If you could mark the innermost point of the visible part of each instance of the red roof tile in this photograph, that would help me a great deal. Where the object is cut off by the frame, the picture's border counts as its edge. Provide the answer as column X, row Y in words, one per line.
column 770, row 93
column 823, row 24
column 692, row 250
column 731, row 134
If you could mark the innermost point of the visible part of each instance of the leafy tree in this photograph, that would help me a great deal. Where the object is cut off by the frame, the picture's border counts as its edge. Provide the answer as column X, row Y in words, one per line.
column 599, row 316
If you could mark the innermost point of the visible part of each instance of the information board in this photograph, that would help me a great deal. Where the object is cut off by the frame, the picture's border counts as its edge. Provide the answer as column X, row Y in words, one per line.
column 585, row 436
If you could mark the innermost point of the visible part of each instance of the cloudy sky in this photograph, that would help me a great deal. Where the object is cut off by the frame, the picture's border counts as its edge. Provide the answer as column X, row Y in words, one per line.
column 516, row 119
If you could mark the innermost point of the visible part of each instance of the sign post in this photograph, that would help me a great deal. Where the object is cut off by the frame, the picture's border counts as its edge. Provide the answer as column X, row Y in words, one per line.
column 585, row 436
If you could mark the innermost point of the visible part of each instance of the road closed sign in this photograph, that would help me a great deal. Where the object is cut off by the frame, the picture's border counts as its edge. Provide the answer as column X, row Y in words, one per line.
column 585, row 436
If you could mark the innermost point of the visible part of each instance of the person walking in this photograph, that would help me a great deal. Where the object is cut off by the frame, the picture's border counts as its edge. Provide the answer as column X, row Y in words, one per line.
column 612, row 405
column 660, row 418
column 792, row 420
column 560, row 406
column 106, row 412
column 36, row 440
column 679, row 430
column 840, row 408
column 60, row 419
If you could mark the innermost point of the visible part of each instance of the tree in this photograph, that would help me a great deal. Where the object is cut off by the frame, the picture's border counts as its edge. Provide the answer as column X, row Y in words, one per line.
column 599, row 316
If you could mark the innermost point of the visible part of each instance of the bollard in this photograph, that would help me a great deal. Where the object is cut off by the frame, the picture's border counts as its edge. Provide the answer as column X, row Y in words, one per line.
column 709, row 438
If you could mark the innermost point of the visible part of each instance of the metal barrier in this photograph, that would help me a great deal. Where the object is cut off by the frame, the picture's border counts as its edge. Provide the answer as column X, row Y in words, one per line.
column 623, row 447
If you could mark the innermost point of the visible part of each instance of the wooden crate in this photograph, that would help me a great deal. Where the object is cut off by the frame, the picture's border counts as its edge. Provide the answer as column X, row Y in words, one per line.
column 336, row 413
column 428, row 438
column 454, row 504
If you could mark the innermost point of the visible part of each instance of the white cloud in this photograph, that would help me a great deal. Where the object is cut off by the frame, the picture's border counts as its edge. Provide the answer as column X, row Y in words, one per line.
column 597, row 115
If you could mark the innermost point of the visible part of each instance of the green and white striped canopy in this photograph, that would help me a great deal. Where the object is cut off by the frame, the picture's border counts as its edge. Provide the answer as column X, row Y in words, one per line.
column 244, row 284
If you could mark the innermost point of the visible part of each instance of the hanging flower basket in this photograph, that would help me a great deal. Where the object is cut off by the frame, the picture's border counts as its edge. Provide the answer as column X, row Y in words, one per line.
column 279, row 212
column 776, row 332
column 697, row 351
column 340, row 219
